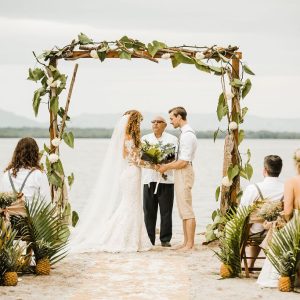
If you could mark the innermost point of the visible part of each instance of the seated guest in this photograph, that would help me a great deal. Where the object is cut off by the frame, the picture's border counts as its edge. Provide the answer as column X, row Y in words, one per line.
column 270, row 188
column 25, row 170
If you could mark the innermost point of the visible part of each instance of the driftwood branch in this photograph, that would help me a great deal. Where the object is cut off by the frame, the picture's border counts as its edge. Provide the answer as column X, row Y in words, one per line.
column 63, row 122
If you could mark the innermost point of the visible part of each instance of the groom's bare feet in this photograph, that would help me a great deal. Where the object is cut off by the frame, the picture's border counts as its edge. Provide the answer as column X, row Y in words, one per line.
column 178, row 247
column 186, row 248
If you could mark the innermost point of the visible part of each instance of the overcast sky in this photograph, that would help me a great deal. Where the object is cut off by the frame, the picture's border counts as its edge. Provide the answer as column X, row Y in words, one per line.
column 267, row 32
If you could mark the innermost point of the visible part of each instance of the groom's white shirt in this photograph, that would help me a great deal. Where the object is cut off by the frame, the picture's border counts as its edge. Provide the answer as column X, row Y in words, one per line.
column 150, row 175
column 187, row 143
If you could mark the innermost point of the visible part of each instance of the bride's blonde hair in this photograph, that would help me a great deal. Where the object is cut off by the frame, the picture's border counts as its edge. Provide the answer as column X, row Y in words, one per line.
column 133, row 126
column 297, row 159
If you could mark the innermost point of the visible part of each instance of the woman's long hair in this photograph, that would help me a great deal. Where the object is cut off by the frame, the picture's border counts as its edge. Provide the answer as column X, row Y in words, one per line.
column 133, row 126
column 26, row 155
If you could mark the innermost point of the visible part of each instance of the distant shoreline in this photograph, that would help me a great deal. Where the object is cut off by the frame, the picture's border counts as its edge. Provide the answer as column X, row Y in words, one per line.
column 106, row 133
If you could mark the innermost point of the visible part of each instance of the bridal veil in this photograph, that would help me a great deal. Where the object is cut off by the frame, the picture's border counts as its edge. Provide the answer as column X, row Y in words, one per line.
column 105, row 197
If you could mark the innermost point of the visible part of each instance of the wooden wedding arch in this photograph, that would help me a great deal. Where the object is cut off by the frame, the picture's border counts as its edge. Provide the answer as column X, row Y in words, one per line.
column 225, row 62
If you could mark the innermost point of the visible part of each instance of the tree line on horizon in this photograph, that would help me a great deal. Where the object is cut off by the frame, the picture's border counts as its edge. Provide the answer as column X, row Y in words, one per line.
column 106, row 133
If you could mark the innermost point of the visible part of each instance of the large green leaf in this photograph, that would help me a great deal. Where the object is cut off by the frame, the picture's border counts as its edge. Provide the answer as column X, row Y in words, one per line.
column 236, row 83
column 246, row 88
column 36, row 74
column 241, row 136
column 232, row 171
column 200, row 65
column 58, row 167
column 247, row 70
column 217, row 193
column 183, row 58
column 222, row 107
column 175, row 62
column 216, row 134
column 155, row 47
column 55, row 179
column 37, row 99
column 75, row 218
column 125, row 55
column 71, row 179
column 54, row 105
column 69, row 139
column 84, row 39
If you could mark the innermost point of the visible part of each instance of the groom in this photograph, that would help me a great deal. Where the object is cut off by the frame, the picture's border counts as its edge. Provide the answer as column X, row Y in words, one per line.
column 184, row 174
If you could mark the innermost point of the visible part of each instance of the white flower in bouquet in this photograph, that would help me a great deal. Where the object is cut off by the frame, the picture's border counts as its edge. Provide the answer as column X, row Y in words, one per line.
column 51, row 82
column 200, row 55
column 53, row 158
column 94, row 54
column 229, row 95
column 166, row 56
column 226, row 182
column 55, row 142
column 233, row 126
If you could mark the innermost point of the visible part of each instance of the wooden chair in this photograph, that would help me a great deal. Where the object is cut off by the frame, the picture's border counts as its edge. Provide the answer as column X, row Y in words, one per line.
column 249, row 239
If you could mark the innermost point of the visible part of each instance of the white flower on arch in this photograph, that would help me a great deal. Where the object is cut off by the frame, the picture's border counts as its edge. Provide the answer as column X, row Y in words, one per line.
column 233, row 126
column 53, row 158
column 226, row 182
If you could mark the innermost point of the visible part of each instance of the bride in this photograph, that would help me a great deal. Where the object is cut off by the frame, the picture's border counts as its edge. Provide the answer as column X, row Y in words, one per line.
column 113, row 218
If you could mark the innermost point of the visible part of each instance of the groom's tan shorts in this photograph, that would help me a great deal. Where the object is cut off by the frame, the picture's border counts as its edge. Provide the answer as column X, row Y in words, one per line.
column 184, row 180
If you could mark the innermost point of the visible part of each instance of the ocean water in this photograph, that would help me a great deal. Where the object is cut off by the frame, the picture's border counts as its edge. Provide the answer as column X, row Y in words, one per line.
column 86, row 158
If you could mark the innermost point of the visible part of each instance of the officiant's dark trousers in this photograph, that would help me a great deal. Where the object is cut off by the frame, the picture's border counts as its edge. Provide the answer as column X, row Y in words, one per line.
column 164, row 198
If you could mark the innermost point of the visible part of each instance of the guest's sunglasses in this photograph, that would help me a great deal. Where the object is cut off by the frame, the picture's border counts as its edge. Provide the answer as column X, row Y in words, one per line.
column 157, row 121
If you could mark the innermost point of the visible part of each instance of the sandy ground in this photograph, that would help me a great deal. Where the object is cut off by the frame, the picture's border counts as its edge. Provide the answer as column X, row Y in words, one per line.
column 158, row 274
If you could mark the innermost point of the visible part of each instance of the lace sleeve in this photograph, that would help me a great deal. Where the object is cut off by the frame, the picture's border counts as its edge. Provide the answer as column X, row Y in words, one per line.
column 134, row 156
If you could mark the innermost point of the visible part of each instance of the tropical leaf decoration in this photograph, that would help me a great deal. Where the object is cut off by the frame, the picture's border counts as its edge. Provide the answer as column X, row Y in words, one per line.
column 11, row 253
column 47, row 234
column 230, row 241
column 284, row 248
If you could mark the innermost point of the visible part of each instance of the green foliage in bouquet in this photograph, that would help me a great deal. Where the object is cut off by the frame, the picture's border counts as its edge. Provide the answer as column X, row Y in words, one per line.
column 284, row 248
column 6, row 199
column 11, row 253
column 47, row 233
column 270, row 210
column 158, row 153
column 231, row 239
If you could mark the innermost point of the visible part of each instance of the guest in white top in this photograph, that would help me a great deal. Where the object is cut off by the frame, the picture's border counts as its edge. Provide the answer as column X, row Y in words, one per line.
column 271, row 188
column 25, row 160
column 163, row 194
column 184, row 174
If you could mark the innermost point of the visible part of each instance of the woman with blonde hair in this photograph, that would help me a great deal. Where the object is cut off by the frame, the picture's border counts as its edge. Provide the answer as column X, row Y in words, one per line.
column 113, row 220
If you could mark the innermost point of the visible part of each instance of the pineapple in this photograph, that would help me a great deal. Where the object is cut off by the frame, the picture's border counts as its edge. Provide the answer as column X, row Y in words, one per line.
column 225, row 271
column 42, row 252
column 10, row 278
column 285, row 284
column 43, row 267
column 10, row 255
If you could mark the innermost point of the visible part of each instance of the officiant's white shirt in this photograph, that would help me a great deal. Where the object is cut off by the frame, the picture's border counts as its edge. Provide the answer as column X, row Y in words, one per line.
column 271, row 189
column 37, row 183
column 150, row 175
column 187, row 143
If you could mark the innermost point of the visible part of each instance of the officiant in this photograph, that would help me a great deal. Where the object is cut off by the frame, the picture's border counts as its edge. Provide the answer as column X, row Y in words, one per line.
column 158, row 191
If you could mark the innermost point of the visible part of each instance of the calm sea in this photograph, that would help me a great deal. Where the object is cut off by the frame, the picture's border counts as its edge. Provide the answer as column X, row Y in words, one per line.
column 85, row 162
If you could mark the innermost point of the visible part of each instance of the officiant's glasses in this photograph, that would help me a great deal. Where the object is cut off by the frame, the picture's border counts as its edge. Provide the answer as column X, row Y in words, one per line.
column 157, row 121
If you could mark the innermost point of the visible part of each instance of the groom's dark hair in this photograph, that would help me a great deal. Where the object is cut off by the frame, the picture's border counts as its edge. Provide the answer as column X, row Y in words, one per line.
column 179, row 110
column 273, row 165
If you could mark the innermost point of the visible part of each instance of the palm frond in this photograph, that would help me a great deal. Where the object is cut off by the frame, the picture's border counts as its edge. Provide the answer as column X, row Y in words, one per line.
column 230, row 241
column 284, row 248
column 47, row 233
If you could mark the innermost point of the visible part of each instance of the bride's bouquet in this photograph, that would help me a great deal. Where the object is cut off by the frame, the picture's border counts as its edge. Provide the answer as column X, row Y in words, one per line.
column 158, row 153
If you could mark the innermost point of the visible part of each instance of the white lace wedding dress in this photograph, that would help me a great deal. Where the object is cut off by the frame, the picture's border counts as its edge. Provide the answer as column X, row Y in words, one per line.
column 113, row 220
column 126, row 230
